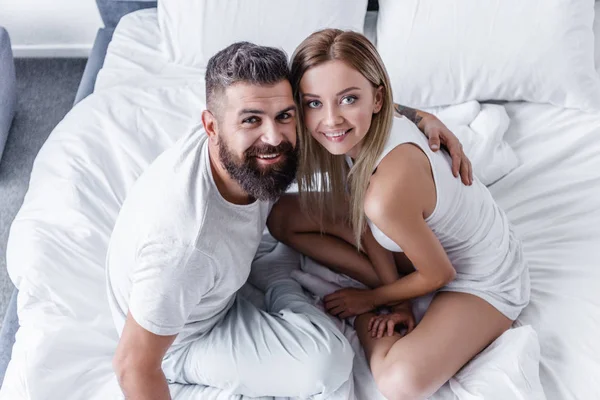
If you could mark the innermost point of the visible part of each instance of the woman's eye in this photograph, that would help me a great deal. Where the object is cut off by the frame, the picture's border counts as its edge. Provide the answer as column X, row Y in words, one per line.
column 349, row 100
column 313, row 104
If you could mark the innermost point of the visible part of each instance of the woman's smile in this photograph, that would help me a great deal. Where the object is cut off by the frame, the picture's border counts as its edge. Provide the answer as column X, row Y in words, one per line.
column 337, row 135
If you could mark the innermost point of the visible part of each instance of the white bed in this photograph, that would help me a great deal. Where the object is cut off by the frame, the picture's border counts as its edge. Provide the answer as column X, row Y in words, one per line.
column 142, row 104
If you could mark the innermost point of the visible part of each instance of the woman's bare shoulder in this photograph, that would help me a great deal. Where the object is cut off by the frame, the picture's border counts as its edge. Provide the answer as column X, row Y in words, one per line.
column 405, row 165
column 401, row 177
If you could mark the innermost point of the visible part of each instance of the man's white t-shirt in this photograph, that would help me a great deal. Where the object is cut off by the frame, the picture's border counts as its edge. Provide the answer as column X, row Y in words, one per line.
column 179, row 251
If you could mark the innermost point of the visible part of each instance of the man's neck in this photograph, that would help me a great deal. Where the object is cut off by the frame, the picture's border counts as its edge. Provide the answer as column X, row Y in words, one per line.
column 229, row 188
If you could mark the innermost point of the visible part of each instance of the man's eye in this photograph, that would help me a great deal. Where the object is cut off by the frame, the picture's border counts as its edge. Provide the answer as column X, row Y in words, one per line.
column 284, row 116
column 349, row 100
column 313, row 104
column 251, row 120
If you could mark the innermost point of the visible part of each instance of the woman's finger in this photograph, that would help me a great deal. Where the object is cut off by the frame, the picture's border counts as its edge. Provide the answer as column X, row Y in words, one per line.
column 375, row 327
column 332, row 303
column 371, row 322
column 390, row 327
column 331, row 296
column 381, row 328
column 337, row 311
column 335, row 307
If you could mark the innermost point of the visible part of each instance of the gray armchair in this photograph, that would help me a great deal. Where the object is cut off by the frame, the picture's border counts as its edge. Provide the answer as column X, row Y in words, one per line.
column 8, row 88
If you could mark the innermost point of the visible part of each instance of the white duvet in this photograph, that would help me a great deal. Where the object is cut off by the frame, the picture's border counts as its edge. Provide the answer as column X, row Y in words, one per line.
column 81, row 176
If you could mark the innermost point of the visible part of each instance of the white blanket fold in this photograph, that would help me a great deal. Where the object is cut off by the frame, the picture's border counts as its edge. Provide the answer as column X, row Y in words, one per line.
column 481, row 128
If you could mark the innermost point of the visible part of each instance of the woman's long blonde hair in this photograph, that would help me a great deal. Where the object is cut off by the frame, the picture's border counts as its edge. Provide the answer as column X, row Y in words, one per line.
column 323, row 178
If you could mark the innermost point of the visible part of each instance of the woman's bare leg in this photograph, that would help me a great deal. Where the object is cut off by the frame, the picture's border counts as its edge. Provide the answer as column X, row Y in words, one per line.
column 455, row 328
column 335, row 248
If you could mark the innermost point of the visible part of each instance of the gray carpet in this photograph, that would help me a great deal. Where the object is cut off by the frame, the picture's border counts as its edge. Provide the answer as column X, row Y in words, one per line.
column 46, row 89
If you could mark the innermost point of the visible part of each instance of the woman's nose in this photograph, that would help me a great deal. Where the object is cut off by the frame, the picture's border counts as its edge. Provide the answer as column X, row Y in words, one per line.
column 333, row 117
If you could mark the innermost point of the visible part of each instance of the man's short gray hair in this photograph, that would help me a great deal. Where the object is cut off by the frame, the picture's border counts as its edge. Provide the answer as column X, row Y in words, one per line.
column 243, row 62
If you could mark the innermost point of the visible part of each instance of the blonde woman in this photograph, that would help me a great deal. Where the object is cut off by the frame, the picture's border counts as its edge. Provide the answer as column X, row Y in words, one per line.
column 368, row 179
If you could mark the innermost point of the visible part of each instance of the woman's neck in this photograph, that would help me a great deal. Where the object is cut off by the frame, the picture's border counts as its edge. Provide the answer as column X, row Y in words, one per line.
column 355, row 151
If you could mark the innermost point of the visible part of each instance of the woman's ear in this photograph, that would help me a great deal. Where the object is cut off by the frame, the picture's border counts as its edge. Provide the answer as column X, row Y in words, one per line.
column 210, row 124
column 378, row 99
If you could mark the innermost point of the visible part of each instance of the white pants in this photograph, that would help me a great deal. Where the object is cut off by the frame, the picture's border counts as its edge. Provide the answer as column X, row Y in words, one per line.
column 292, row 350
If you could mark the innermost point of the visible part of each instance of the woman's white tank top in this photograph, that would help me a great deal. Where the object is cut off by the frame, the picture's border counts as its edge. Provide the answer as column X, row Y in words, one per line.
column 471, row 227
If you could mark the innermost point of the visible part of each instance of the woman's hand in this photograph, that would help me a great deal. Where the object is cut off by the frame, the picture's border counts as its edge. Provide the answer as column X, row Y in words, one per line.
column 349, row 302
column 385, row 324
column 437, row 132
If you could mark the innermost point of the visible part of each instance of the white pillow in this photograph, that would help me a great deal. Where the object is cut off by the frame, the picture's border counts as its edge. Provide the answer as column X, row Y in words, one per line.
column 452, row 51
column 194, row 30
column 597, row 35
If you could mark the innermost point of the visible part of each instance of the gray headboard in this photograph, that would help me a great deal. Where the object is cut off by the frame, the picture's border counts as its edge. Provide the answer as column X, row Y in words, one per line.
column 111, row 11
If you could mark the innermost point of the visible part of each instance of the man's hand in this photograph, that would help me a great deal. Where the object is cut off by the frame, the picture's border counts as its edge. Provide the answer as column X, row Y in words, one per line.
column 137, row 362
column 438, row 133
column 349, row 302
column 385, row 324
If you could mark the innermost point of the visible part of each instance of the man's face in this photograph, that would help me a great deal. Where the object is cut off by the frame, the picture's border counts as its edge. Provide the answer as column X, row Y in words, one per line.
column 257, row 137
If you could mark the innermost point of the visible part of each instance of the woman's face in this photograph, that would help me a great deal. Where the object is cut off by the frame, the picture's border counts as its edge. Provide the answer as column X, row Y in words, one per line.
column 338, row 104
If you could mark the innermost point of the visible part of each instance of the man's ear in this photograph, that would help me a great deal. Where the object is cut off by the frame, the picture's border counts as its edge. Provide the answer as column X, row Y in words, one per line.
column 210, row 124
column 378, row 99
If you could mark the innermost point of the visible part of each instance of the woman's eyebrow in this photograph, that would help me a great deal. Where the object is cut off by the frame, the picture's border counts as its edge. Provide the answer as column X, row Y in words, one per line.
column 337, row 94
column 347, row 90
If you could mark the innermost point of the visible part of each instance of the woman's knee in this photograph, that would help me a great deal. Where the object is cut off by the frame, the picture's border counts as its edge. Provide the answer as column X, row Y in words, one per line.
column 281, row 220
column 403, row 380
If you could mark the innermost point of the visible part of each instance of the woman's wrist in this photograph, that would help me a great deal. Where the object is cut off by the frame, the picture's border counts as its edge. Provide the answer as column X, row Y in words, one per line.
column 378, row 297
column 403, row 305
column 390, row 295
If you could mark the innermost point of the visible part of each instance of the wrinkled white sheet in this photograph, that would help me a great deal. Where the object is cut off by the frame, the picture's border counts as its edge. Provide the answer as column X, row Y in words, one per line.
column 481, row 128
column 80, row 177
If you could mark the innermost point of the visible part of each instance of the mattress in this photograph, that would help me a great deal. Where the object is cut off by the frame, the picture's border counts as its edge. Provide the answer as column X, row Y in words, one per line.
column 142, row 104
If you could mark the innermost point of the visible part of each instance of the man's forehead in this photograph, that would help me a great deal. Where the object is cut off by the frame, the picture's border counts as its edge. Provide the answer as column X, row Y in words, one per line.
column 242, row 92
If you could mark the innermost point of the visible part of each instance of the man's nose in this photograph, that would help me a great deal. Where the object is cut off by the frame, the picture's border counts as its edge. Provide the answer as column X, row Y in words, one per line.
column 333, row 116
column 272, row 135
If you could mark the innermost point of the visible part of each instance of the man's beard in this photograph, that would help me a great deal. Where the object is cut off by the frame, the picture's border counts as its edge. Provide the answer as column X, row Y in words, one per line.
column 263, row 183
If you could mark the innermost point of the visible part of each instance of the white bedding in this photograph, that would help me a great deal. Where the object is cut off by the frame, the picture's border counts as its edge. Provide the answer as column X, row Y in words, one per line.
column 142, row 104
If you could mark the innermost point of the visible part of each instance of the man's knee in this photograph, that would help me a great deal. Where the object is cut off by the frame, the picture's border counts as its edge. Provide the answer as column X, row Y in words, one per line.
column 403, row 380
column 332, row 368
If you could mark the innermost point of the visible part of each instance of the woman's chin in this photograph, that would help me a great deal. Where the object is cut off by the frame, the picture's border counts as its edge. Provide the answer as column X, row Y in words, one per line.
column 336, row 149
column 337, row 152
